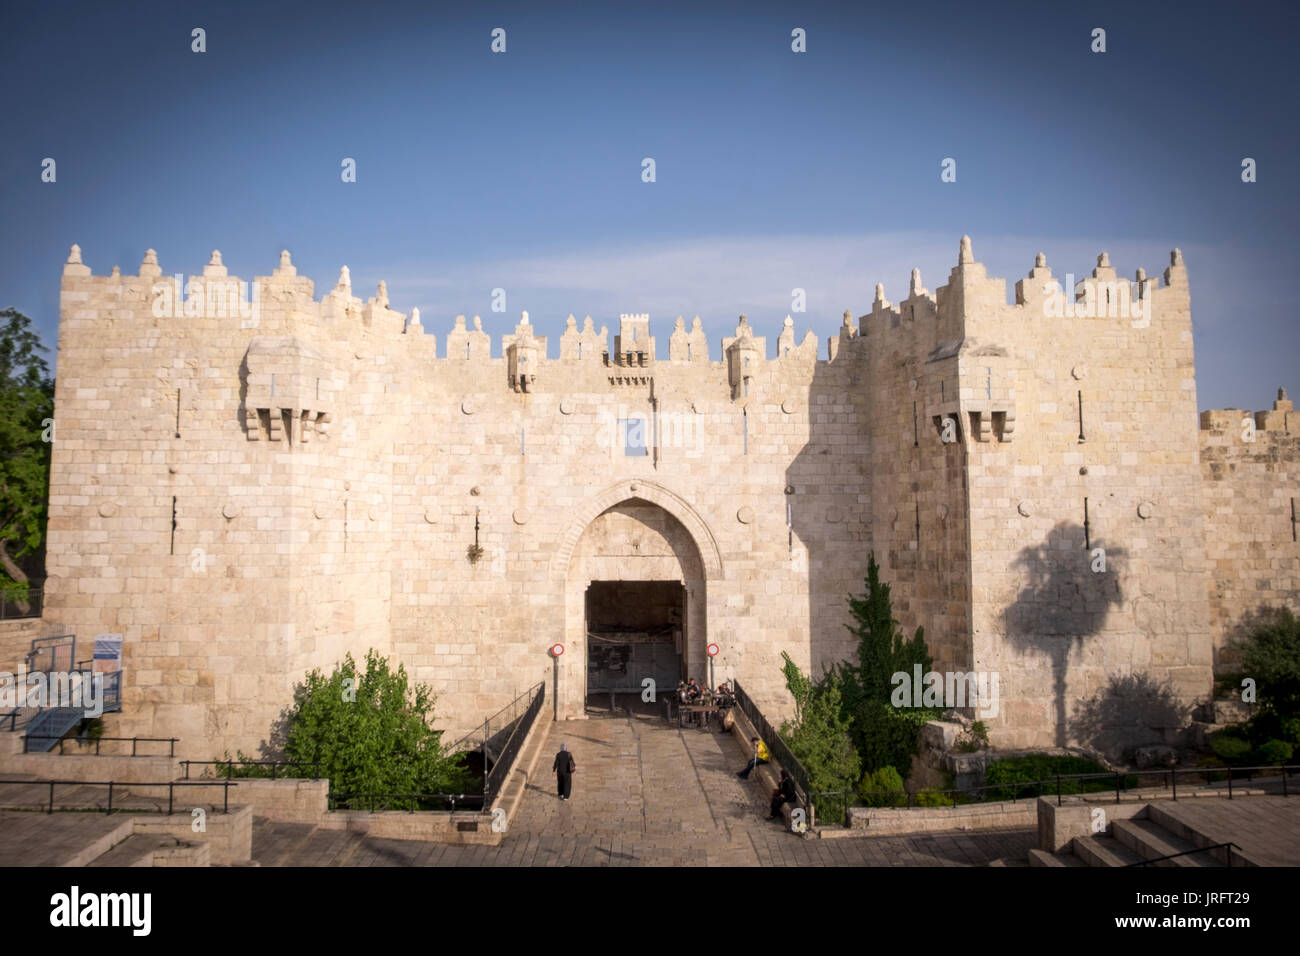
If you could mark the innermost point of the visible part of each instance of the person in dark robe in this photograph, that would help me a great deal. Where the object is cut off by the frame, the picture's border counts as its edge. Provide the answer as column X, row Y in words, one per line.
column 563, row 768
column 783, row 794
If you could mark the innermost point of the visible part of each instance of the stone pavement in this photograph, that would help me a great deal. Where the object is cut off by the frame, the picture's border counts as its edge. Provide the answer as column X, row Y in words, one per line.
column 644, row 794
column 1267, row 829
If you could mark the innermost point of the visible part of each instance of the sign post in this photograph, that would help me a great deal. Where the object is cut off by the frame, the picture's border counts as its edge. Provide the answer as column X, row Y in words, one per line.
column 712, row 651
column 556, row 651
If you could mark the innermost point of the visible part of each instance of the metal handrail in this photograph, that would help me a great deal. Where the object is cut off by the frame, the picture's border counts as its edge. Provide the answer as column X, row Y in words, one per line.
column 273, row 764
column 1203, row 849
column 485, row 728
column 495, row 776
column 776, row 744
column 170, row 741
column 171, row 786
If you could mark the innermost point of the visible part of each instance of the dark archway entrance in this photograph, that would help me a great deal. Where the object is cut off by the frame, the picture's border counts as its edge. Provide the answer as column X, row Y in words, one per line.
column 635, row 631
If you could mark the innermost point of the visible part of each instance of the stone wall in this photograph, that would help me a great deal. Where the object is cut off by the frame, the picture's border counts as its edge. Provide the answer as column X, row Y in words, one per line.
column 248, row 492
column 1088, row 574
column 16, row 638
column 1250, row 465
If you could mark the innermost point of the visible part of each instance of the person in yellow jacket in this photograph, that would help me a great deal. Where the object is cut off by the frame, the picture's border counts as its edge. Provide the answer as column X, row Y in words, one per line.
column 760, row 756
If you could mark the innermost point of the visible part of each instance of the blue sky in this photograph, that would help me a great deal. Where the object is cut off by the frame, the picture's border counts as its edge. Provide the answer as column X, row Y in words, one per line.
column 774, row 170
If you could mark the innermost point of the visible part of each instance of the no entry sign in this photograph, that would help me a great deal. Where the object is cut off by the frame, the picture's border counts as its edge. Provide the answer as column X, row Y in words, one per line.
column 557, row 650
column 712, row 650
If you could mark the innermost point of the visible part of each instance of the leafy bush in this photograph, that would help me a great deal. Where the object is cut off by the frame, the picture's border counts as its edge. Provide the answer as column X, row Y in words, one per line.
column 1270, row 656
column 818, row 737
column 1275, row 751
column 932, row 797
column 371, row 733
column 1019, row 773
column 882, row 788
column 1229, row 747
column 886, row 736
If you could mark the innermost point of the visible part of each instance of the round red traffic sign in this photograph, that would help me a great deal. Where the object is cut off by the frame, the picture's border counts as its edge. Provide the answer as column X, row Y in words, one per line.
column 557, row 650
column 713, row 650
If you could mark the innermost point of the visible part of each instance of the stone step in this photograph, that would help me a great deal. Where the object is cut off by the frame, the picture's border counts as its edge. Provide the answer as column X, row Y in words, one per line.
column 98, row 847
column 1167, row 817
column 136, row 850
column 174, row 853
column 1101, row 849
column 1149, row 840
column 1043, row 858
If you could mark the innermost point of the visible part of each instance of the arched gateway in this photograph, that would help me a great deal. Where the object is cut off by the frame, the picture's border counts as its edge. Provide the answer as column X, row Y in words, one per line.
column 636, row 566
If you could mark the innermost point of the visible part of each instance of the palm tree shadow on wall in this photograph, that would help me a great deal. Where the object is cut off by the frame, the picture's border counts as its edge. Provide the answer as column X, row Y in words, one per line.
column 1062, row 603
column 1120, row 713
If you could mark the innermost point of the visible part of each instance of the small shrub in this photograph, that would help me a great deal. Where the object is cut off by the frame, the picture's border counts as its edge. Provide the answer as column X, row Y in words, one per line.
column 882, row 788
column 1021, row 774
column 1229, row 747
column 1275, row 751
column 932, row 797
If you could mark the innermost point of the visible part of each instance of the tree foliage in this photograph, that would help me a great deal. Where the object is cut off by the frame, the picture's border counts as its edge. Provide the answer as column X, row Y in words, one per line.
column 26, row 414
column 1270, row 656
column 819, row 736
column 883, row 735
column 371, row 732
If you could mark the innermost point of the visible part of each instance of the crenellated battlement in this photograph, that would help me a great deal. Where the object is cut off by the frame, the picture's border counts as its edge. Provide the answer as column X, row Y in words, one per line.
column 321, row 464
column 1281, row 419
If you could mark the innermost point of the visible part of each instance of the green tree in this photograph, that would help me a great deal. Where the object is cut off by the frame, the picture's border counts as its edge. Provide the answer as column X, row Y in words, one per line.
column 882, row 648
column 819, row 737
column 371, row 732
column 26, row 417
column 1270, row 656
column 883, row 735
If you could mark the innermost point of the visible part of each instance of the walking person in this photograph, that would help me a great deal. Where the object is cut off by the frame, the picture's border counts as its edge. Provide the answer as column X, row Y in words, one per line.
column 563, row 768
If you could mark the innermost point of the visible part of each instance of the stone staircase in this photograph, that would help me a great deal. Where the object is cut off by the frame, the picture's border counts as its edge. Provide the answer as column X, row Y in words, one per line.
column 1153, row 832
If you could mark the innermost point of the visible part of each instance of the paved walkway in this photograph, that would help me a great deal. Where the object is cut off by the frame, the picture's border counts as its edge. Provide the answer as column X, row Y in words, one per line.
column 645, row 794
column 1267, row 829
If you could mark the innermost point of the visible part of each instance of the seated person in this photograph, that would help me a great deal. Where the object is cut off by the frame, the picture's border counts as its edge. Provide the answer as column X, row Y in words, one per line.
column 760, row 756
column 783, row 794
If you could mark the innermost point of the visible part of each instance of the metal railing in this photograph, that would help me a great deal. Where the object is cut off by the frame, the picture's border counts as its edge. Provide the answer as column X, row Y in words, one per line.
column 497, row 724
column 171, row 786
column 776, row 746
column 495, row 776
column 1202, row 849
column 133, row 741
column 229, row 766
column 1060, row 785
column 27, row 604
column 373, row 802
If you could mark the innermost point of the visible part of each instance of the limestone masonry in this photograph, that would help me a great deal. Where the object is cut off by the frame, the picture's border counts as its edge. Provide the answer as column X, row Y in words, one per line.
column 249, row 488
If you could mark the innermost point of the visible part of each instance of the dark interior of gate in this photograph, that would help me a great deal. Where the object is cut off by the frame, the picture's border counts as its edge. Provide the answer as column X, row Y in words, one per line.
column 634, row 633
